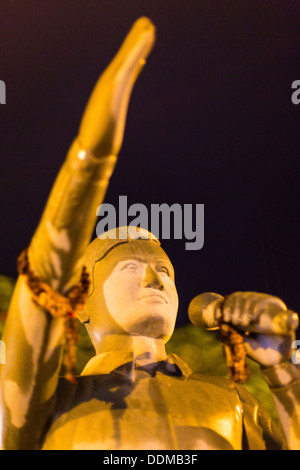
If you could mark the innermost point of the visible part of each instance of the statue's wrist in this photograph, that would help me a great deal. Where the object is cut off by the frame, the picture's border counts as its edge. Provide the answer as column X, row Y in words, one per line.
column 87, row 165
column 281, row 375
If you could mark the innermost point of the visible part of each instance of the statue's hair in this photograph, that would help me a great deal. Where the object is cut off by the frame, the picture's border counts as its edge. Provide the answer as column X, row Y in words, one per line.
column 107, row 241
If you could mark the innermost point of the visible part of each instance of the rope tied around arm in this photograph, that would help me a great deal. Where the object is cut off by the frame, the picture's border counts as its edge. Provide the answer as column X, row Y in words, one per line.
column 58, row 306
column 235, row 351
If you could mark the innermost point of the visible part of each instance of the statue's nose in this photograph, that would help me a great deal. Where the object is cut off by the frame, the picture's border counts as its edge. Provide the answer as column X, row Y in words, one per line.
column 152, row 279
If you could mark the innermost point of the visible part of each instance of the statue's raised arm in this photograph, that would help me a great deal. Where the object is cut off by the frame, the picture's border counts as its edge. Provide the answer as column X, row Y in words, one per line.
column 69, row 218
column 33, row 339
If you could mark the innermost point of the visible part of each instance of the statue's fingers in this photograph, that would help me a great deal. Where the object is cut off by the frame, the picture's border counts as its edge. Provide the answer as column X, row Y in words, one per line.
column 265, row 302
column 102, row 126
column 231, row 308
column 270, row 316
column 239, row 309
column 134, row 51
column 284, row 323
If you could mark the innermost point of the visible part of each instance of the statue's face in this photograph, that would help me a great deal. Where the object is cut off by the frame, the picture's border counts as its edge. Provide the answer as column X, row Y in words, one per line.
column 139, row 292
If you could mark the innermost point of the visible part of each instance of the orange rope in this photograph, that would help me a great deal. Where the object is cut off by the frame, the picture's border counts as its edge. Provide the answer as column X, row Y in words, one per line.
column 235, row 351
column 58, row 305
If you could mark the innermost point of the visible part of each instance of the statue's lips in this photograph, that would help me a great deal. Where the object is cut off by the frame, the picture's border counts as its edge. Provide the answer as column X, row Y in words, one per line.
column 155, row 296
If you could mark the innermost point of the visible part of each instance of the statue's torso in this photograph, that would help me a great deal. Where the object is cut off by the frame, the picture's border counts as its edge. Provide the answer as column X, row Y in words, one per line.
column 162, row 412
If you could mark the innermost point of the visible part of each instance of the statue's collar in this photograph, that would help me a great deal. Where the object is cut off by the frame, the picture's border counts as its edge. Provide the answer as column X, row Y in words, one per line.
column 125, row 363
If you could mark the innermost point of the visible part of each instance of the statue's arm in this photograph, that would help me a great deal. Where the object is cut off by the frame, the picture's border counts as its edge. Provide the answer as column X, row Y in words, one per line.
column 33, row 339
column 270, row 329
column 284, row 383
column 69, row 217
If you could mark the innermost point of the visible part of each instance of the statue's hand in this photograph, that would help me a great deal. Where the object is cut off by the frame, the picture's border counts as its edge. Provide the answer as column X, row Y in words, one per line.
column 102, row 126
column 269, row 326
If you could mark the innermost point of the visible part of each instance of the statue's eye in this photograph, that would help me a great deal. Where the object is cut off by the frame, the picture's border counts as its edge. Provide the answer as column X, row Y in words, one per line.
column 163, row 269
column 130, row 266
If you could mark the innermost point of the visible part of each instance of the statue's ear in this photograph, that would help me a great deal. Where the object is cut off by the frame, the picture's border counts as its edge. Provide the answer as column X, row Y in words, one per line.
column 83, row 316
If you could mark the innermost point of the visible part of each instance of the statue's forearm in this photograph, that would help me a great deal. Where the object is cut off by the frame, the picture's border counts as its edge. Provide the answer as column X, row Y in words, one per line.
column 284, row 383
column 34, row 340
column 34, row 343
column 66, row 227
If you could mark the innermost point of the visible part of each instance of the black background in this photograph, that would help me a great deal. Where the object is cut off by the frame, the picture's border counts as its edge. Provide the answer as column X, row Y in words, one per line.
column 210, row 121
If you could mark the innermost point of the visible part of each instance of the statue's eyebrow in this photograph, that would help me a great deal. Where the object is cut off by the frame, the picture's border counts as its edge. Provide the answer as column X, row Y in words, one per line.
column 133, row 258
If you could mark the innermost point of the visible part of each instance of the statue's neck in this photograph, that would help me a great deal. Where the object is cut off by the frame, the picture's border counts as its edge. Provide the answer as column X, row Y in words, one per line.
column 136, row 344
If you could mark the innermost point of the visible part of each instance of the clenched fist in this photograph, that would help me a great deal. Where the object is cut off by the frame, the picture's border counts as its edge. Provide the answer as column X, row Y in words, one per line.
column 268, row 326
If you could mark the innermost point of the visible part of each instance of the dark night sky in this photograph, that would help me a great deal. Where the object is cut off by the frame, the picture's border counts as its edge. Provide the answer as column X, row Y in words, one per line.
column 210, row 121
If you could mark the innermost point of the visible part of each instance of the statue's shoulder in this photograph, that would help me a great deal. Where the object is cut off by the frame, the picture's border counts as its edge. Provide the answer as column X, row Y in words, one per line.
column 198, row 378
column 213, row 380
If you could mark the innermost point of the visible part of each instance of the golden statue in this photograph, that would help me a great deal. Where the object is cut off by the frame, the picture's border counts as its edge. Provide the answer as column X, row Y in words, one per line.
column 131, row 395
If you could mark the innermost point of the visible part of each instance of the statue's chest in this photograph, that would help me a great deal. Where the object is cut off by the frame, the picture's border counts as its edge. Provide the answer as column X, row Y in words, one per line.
column 150, row 413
